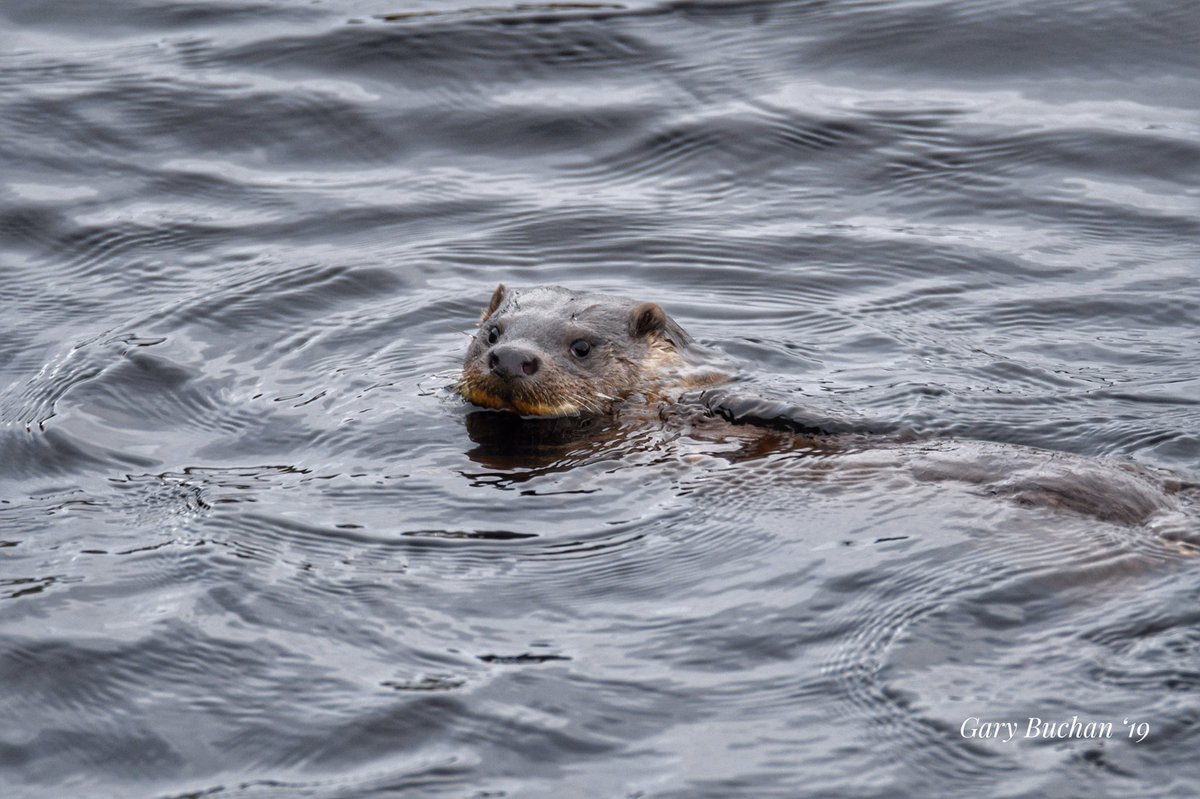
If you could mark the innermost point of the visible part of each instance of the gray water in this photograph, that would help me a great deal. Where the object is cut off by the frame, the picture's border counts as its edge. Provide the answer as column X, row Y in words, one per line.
column 252, row 545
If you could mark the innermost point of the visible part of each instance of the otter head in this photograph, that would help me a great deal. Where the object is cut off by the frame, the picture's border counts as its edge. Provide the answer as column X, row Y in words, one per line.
column 549, row 351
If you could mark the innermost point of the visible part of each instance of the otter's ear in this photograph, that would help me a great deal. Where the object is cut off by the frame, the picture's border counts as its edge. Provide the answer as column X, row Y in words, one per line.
column 497, row 298
column 645, row 319
column 648, row 318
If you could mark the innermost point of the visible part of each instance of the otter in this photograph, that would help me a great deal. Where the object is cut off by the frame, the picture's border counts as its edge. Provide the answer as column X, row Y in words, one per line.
column 551, row 351
column 572, row 357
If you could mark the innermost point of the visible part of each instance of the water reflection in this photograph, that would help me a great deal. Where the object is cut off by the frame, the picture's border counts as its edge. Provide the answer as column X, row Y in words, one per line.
column 507, row 442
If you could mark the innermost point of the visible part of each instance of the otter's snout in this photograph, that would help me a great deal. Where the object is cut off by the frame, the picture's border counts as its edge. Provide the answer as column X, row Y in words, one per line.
column 509, row 361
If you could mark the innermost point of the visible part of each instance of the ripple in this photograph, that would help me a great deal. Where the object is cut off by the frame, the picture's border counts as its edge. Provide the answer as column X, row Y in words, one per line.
column 464, row 51
column 978, row 41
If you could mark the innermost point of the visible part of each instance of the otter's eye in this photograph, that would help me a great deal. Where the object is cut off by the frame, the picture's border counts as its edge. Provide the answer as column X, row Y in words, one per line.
column 581, row 348
column 493, row 334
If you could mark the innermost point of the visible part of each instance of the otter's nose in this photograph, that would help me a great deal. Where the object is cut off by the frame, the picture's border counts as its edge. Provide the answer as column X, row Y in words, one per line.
column 510, row 361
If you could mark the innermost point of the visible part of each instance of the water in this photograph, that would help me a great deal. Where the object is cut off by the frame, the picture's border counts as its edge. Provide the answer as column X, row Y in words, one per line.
column 250, row 545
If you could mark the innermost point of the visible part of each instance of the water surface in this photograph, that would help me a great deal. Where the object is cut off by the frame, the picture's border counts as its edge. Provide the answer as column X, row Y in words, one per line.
column 251, row 546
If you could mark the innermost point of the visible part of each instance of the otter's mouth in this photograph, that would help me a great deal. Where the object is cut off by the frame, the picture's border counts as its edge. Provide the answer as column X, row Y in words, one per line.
column 489, row 392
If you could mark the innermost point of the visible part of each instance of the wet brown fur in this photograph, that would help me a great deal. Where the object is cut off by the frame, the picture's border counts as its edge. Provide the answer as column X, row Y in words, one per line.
column 636, row 349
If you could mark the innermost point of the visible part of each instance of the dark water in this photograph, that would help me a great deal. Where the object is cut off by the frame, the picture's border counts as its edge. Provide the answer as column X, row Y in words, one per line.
column 250, row 546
